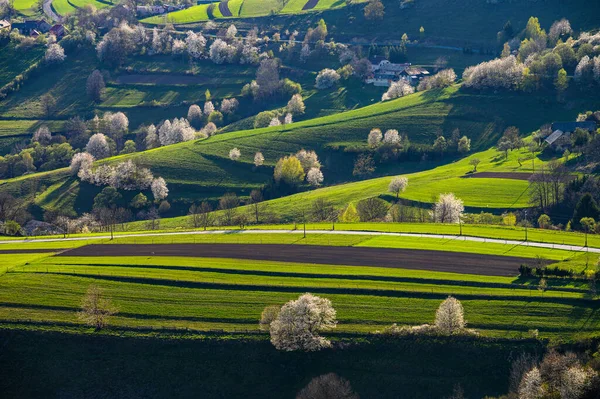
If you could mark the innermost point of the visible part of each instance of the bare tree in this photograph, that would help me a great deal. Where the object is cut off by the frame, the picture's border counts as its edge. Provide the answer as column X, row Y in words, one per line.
column 328, row 386
column 268, row 315
column 95, row 308
column 256, row 199
column 227, row 204
column 109, row 217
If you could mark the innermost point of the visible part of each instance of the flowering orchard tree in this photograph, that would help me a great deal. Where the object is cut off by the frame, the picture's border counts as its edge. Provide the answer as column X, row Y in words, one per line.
column 234, row 154
column 275, row 122
column 159, row 189
column 97, row 146
column 81, row 160
column 391, row 137
column 177, row 131
column 288, row 119
column 296, row 106
column 208, row 108
column 531, row 385
column 209, row 130
column 229, row 105
column 314, row 177
column 448, row 209
column 398, row 89
column 195, row 44
column 299, row 322
column 308, row 160
column 449, row 318
column 42, row 135
column 259, row 159
column 398, row 185
column 327, row 78
column 375, row 137
column 55, row 54
column 501, row 73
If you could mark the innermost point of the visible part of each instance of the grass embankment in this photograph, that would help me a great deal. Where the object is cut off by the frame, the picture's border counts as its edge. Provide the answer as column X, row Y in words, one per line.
column 64, row 7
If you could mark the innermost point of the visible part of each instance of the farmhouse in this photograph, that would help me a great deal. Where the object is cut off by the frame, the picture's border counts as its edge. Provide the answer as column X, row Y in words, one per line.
column 58, row 31
column 414, row 74
column 4, row 24
column 564, row 129
column 385, row 72
column 32, row 27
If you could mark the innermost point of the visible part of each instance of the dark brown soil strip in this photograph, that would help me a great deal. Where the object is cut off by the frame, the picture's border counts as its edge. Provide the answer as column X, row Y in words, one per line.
column 29, row 251
column 501, row 175
column 224, row 9
column 310, row 5
column 443, row 261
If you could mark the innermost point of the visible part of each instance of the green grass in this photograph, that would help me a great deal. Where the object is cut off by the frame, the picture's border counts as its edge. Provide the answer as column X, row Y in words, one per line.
column 197, row 293
column 202, row 170
column 26, row 7
column 63, row 7
column 193, row 14
column 235, row 6
column 14, row 61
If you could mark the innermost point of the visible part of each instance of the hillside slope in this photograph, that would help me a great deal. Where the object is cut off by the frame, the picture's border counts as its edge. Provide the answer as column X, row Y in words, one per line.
column 201, row 169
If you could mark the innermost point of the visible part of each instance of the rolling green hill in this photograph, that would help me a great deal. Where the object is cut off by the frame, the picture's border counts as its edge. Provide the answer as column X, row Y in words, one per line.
column 201, row 169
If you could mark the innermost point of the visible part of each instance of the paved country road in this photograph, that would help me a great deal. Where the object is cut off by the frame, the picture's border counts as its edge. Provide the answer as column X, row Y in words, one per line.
column 49, row 11
column 565, row 247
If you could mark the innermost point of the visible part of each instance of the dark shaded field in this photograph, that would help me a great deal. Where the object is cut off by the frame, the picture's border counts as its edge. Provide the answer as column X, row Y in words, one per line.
column 53, row 365
column 161, row 79
column 501, row 175
column 456, row 262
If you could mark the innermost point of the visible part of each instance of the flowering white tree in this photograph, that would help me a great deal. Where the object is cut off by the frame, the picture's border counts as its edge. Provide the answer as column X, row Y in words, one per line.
column 81, row 160
column 299, row 322
column 531, row 385
column 314, row 177
column 449, row 317
column 596, row 70
column 584, row 70
column 275, row 122
column 42, row 135
column 398, row 185
column 296, row 106
column 234, row 154
column 575, row 382
column 391, row 137
column 231, row 32
column 501, row 73
column 195, row 43
column 159, row 189
column 175, row 132
column 128, row 176
column 151, row 140
column 229, row 105
column 327, row 78
column 97, row 146
column 558, row 29
column 55, row 54
column 448, row 209
column 259, row 159
column 398, row 89
column 221, row 52
column 209, row 130
column 249, row 55
column 375, row 137
column 102, row 176
column 209, row 108
column 117, row 123
column 288, row 119
column 178, row 47
column 308, row 160
column 440, row 80
column 194, row 115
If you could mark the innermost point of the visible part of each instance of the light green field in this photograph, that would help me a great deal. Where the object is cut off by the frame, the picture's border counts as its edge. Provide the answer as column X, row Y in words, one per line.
column 227, row 294
column 63, row 7
column 193, row 14
column 25, row 7
column 235, row 6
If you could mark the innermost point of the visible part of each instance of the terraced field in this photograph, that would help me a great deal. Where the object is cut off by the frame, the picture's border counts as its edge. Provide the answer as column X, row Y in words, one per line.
column 64, row 7
column 219, row 293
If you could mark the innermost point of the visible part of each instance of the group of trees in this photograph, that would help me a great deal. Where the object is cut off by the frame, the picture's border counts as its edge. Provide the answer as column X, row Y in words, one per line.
column 293, row 169
column 296, row 325
column 534, row 59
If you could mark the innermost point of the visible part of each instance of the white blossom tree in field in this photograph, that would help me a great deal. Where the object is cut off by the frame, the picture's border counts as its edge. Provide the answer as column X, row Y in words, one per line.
column 177, row 131
column 234, row 154
column 229, row 105
column 95, row 308
column 208, row 108
column 195, row 44
column 326, row 78
column 81, row 160
column 308, row 160
column 398, row 89
column 375, row 137
column 296, row 106
column 159, row 189
column 55, row 54
column 259, row 159
column 151, row 140
column 575, row 382
column 275, row 122
column 398, row 185
column 501, row 73
column 97, row 146
column 448, row 209
column 194, row 115
column 129, row 176
column 449, row 317
column 531, row 385
column 209, row 130
column 178, row 47
column 391, row 137
column 299, row 322
column 314, row 177
column 221, row 52
column 288, row 119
